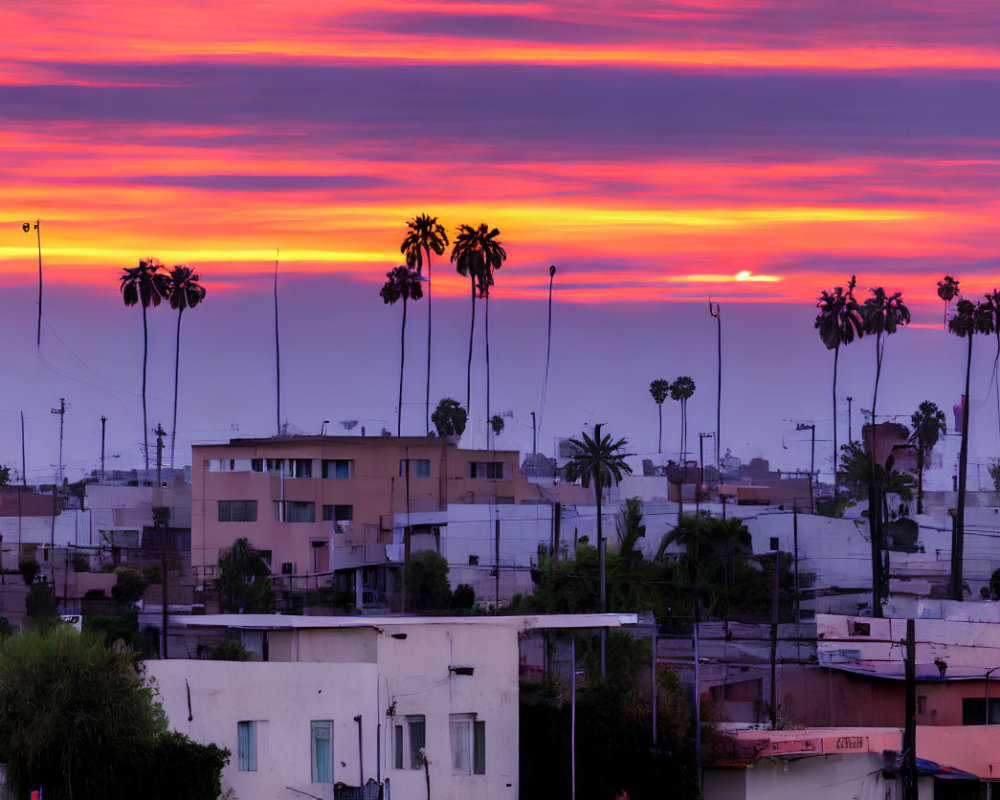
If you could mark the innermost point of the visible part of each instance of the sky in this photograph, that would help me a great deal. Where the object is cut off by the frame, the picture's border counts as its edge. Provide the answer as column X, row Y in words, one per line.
column 658, row 154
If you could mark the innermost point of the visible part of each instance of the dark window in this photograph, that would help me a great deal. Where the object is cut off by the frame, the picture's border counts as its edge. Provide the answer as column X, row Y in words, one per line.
column 491, row 470
column 972, row 711
column 338, row 513
column 341, row 468
column 294, row 511
column 275, row 464
column 473, row 561
column 861, row 628
column 237, row 511
column 301, row 468
column 256, row 464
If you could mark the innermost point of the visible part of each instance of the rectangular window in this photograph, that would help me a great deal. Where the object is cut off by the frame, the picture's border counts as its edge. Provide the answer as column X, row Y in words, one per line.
column 973, row 711
column 322, row 751
column 416, row 727
column 421, row 468
column 340, row 468
column 468, row 744
column 491, row 470
column 237, row 511
column 398, row 747
column 301, row 467
column 338, row 513
column 256, row 464
column 246, row 745
column 494, row 470
column 275, row 464
column 294, row 511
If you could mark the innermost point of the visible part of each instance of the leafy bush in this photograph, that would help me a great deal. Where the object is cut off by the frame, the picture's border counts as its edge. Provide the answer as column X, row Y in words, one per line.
column 427, row 582
column 152, row 573
column 40, row 605
column 129, row 586
column 28, row 569
column 464, row 597
column 81, row 563
column 229, row 651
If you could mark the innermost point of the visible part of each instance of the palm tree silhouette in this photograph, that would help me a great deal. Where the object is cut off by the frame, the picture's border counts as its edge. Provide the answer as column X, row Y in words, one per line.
column 144, row 285
column 928, row 423
column 682, row 390
column 947, row 290
column 969, row 319
column 882, row 315
column 403, row 283
column 991, row 307
column 660, row 390
column 838, row 322
column 424, row 236
column 184, row 291
column 477, row 254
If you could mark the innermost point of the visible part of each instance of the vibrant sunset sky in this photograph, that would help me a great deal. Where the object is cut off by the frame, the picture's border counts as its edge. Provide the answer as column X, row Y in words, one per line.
column 656, row 153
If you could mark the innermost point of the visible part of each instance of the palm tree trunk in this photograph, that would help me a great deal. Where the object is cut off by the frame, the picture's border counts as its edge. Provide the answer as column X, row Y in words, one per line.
column 920, row 478
column 958, row 537
column 659, row 431
column 601, row 559
column 489, row 423
column 277, row 350
column 836, row 357
column 427, row 391
column 548, row 353
column 145, row 424
column 468, row 370
column 177, row 367
column 875, row 495
column 402, row 361
column 718, row 399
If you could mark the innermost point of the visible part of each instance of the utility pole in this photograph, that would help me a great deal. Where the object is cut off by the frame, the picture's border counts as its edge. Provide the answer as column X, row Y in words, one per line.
column 697, row 689
column 850, row 420
column 795, row 545
column 910, row 730
column 715, row 311
column 701, row 466
column 26, row 227
column 811, row 426
column 534, row 449
column 496, row 558
column 61, row 411
column 24, row 467
column 775, row 616
column 104, row 422
column 160, row 522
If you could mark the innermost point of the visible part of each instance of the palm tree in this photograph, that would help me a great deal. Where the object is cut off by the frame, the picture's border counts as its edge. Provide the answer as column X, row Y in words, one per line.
column 660, row 390
column 838, row 322
column 601, row 461
column 968, row 320
column 947, row 290
column 184, row 291
column 403, row 283
column 928, row 423
column 144, row 285
column 682, row 389
column 991, row 307
column 548, row 353
column 425, row 235
column 477, row 253
column 882, row 315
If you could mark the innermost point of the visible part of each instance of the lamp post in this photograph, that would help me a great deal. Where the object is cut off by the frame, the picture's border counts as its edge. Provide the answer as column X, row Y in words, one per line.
column 811, row 426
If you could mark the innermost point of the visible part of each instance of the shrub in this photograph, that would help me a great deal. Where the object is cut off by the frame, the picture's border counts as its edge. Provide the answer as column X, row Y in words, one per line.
column 28, row 569
column 229, row 651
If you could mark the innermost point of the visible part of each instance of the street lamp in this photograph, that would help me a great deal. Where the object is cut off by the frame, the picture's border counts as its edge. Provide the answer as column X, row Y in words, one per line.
column 811, row 426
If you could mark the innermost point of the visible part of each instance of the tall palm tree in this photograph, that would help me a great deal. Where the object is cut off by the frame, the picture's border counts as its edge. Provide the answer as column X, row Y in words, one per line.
column 682, row 390
column 144, row 285
column 947, row 290
column 403, row 283
column 991, row 308
column 184, row 291
column 660, row 390
column 548, row 354
column 882, row 315
column 600, row 461
column 969, row 319
column 477, row 254
column 424, row 236
column 838, row 322
column 928, row 423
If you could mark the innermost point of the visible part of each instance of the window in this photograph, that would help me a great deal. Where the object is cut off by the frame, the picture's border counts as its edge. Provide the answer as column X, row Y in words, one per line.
column 922, row 704
column 468, row 744
column 415, row 734
column 256, row 464
column 339, row 468
column 321, row 748
column 419, row 468
column 246, row 745
column 338, row 513
column 294, row 511
column 491, row 470
column 973, row 709
column 275, row 464
column 237, row 511
column 301, row 468
column 473, row 561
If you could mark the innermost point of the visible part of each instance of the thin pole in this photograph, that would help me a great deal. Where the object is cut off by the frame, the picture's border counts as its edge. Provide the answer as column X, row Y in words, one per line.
column 496, row 557
column 61, row 411
column 774, row 640
column 548, row 353
column 163, row 541
column 104, row 422
column 655, row 696
column 715, row 311
column 850, row 423
column 534, row 448
column 361, row 752
column 24, row 468
column 697, row 692
column 910, row 730
column 38, row 231
column 277, row 347
column 572, row 718
column 795, row 544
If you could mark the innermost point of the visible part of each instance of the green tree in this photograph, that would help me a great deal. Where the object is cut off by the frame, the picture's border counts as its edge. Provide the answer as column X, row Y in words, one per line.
column 403, row 283
column 423, row 237
column 476, row 255
column 40, row 606
column 682, row 390
column 184, row 291
column 427, row 582
column 4, row 475
column 969, row 320
column 928, row 423
column 600, row 461
column 243, row 584
column 882, row 314
column 129, row 586
column 660, row 390
column 144, row 285
column 838, row 322
column 449, row 418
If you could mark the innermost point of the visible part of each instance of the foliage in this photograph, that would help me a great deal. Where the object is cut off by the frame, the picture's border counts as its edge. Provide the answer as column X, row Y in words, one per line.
column 243, row 584
column 402, row 283
column 425, row 234
column 144, row 284
column 181, row 287
column 597, row 459
column 113, row 628
column 129, row 585
column 152, row 572
column 496, row 424
column 463, row 598
column 4, row 475
column 181, row 768
column 928, row 425
column 994, row 469
column 856, row 474
column 81, row 563
column 839, row 319
column 994, row 590
column 947, row 288
column 427, row 582
column 40, row 606
column 6, row 628
column 660, row 390
column 229, row 651
column 28, row 569
column 477, row 254
column 449, row 418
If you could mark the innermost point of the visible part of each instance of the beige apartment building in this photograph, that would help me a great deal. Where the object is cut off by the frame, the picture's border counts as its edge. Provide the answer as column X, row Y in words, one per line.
column 315, row 504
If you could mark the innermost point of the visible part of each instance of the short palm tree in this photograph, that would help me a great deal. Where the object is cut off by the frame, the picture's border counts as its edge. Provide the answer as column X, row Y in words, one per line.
column 600, row 461
column 477, row 254
column 882, row 315
column 928, row 423
column 425, row 235
column 947, row 290
column 144, row 285
column 403, row 284
column 838, row 322
column 660, row 390
column 968, row 320
column 184, row 291
column 682, row 390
